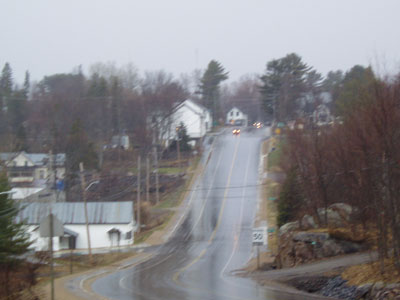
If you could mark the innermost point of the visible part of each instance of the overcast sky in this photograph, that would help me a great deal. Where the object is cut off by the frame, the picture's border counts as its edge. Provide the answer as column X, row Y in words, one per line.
column 52, row 36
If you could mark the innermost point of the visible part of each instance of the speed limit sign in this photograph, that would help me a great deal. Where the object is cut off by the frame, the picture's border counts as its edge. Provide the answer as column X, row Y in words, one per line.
column 259, row 236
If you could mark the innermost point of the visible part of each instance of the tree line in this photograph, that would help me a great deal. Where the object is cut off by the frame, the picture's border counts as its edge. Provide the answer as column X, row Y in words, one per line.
column 355, row 161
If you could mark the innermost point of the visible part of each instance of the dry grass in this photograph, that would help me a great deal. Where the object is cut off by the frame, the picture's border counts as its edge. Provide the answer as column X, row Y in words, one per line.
column 80, row 263
column 272, row 189
column 349, row 234
column 371, row 273
column 267, row 211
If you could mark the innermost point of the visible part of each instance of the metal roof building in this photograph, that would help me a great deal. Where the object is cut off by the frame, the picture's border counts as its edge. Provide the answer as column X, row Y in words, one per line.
column 74, row 212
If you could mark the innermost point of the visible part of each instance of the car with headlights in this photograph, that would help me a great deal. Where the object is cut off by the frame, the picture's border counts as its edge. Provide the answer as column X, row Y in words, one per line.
column 236, row 131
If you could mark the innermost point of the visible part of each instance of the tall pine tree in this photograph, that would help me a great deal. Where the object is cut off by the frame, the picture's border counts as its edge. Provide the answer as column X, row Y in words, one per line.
column 210, row 86
column 13, row 239
column 283, row 85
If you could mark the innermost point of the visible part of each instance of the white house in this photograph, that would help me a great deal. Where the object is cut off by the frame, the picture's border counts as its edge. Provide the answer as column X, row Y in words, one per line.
column 195, row 117
column 33, row 169
column 236, row 116
column 120, row 141
column 322, row 115
column 111, row 224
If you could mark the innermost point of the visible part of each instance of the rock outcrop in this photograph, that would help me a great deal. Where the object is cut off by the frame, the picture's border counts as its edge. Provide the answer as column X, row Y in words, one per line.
column 338, row 288
column 296, row 248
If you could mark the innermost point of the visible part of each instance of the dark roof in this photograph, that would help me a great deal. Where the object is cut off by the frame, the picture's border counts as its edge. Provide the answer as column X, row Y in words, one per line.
column 74, row 213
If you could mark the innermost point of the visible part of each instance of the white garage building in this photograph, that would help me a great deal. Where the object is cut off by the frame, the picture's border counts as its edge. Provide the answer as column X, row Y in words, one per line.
column 111, row 224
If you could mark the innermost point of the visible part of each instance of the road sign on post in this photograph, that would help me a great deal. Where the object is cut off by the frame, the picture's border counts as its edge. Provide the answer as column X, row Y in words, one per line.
column 51, row 227
column 45, row 230
column 259, row 236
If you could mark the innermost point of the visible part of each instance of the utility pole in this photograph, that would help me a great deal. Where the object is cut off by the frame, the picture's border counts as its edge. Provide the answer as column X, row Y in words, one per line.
column 50, row 185
column 156, row 173
column 178, row 129
column 147, row 178
column 138, row 195
column 51, row 254
column 83, row 184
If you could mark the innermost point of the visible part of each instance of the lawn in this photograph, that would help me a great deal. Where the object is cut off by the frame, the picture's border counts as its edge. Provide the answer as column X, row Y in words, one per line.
column 274, row 157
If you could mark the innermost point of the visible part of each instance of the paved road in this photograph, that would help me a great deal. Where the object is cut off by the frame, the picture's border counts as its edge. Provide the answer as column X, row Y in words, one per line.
column 213, row 241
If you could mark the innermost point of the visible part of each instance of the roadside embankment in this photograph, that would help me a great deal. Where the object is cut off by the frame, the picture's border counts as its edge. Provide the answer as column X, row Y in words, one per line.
column 323, row 261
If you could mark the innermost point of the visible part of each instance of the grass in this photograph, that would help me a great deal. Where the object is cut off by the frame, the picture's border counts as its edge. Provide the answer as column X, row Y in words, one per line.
column 268, row 208
column 142, row 236
column 370, row 273
column 172, row 199
column 62, row 266
column 170, row 170
column 272, row 212
column 274, row 157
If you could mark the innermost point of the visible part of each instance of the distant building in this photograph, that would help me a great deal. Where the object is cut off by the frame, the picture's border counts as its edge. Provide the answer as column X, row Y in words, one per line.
column 322, row 115
column 111, row 224
column 195, row 117
column 236, row 117
column 33, row 169
column 120, row 141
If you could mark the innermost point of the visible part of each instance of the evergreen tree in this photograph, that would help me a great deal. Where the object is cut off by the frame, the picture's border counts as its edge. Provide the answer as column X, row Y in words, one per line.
column 6, row 81
column 210, row 87
column 79, row 149
column 6, row 85
column 98, row 97
column 27, row 84
column 183, row 138
column 358, row 88
column 13, row 239
column 283, row 85
column 115, row 105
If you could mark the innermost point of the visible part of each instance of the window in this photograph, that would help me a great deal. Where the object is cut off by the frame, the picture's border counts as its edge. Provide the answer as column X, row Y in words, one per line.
column 237, row 113
column 128, row 235
column 41, row 174
column 231, row 113
column 26, row 163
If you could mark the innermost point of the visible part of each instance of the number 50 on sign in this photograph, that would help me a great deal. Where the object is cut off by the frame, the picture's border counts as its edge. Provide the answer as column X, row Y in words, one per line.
column 259, row 236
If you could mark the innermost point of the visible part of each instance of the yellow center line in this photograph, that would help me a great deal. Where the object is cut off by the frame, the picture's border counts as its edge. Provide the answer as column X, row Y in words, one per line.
column 180, row 271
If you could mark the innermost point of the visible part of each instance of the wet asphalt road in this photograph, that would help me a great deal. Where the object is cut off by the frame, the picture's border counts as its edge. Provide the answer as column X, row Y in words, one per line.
column 214, row 239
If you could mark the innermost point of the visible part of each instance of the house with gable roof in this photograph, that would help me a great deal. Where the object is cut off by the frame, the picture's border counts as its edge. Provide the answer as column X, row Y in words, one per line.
column 236, row 116
column 111, row 224
column 196, row 118
column 33, row 169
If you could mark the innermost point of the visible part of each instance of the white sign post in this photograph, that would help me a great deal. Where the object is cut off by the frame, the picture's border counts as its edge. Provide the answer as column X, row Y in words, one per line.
column 259, row 239
column 259, row 236
column 50, row 227
column 45, row 227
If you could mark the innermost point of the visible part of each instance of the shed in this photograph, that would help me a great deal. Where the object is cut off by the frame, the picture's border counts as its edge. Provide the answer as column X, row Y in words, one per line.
column 102, row 217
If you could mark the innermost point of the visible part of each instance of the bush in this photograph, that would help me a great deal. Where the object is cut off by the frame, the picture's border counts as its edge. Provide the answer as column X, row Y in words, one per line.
column 290, row 199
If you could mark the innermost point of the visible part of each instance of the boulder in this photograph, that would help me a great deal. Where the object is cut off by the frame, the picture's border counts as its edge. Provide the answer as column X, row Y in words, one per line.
column 310, row 237
column 303, row 253
column 363, row 291
column 288, row 227
column 343, row 209
column 308, row 222
column 350, row 247
column 331, row 248
column 376, row 289
column 334, row 218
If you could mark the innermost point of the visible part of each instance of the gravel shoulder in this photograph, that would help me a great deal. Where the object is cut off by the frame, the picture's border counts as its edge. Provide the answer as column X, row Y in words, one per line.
column 315, row 268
